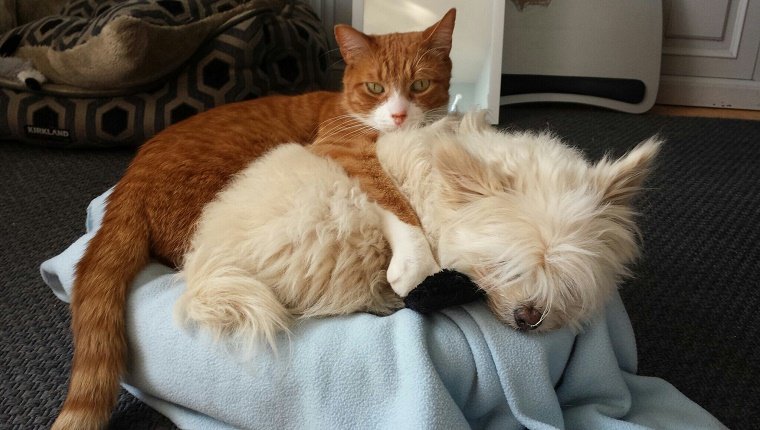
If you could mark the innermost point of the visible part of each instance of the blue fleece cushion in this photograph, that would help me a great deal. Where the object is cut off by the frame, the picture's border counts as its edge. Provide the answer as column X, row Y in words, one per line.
column 459, row 368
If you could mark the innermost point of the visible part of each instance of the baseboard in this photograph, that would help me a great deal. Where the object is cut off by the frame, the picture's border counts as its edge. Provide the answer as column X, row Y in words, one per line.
column 709, row 92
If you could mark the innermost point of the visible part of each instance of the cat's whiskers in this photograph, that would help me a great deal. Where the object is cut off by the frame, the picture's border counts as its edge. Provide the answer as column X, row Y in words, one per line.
column 331, row 51
column 363, row 131
column 329, row 126
column 330, row 54
column 335, row 119
column 346, row 131
column 434, row 114
column 437, row 110
column 340, row 130
column 338, row 61
column 354, row 124
column 336, row 126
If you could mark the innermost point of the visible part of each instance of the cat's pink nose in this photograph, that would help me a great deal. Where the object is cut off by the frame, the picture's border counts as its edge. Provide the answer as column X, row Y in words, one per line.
column 399, row 118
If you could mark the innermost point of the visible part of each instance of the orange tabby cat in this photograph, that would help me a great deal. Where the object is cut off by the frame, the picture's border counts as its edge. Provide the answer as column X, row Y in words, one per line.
column 391, row 81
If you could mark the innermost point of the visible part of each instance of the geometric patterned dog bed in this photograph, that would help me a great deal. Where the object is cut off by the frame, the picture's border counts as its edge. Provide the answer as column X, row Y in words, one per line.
column 275, row 47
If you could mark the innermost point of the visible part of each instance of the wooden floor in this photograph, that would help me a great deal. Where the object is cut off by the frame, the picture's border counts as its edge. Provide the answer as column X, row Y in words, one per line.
column 705, row 112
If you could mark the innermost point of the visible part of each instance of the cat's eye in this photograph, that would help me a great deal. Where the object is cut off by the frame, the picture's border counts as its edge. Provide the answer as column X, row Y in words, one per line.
column 374, row 88
column 420, row 85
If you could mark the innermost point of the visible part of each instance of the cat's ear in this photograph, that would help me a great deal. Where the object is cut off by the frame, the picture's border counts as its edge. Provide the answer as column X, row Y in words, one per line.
column 466, row 177
column 620, row 180
column 352, row 42
column 438, row 36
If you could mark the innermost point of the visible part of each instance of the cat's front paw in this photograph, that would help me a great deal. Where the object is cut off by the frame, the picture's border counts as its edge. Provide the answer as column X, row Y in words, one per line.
column 405, row 272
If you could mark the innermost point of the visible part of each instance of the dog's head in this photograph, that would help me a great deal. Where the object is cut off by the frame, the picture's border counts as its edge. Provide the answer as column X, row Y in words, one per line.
column 545, row 233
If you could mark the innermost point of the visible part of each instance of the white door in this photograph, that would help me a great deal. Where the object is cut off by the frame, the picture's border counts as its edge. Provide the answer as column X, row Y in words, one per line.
column 710, row 53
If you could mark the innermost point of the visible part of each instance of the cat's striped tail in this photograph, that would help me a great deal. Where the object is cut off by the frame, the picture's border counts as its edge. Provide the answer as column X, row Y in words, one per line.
column 114, row 256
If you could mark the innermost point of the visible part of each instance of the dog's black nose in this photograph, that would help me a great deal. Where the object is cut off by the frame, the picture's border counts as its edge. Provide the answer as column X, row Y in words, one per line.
column 527, row 318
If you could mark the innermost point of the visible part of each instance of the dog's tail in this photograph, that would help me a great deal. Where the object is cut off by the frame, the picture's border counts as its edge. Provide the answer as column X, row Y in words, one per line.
column 119, row 249
column 230, row 304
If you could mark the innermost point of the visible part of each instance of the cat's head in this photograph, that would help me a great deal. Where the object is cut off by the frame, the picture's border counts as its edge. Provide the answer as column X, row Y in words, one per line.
column 397, row 80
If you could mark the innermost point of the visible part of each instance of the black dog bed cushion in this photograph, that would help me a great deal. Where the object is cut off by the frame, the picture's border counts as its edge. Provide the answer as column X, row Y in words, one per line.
column 257, row 48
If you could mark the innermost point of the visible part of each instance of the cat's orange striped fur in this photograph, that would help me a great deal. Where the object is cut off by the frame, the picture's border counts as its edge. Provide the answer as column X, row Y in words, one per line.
column 154, row 207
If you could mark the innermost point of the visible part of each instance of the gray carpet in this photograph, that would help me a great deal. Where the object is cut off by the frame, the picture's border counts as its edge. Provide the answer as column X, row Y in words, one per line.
column 692, row 302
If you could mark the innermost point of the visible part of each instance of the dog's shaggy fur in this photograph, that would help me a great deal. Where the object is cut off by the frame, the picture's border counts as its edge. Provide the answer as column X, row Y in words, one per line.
column 545, row 233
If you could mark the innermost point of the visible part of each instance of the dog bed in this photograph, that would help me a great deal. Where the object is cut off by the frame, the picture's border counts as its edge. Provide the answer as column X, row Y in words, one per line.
column 458, row 368
column 120, row 71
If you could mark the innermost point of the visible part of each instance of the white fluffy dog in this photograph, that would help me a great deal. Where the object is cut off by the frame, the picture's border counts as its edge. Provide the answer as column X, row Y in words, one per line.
column 545, row 233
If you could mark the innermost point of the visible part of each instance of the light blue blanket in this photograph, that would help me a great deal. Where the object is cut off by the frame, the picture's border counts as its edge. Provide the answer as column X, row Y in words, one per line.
column 458, row 368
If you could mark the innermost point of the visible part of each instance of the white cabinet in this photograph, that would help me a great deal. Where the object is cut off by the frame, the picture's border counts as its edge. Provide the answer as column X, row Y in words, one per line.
column 710, row 53
column 605, row 53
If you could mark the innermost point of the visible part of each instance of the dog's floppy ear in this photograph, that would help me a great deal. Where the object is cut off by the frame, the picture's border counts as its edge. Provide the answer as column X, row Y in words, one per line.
column 620, row 180
column 466, row 177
